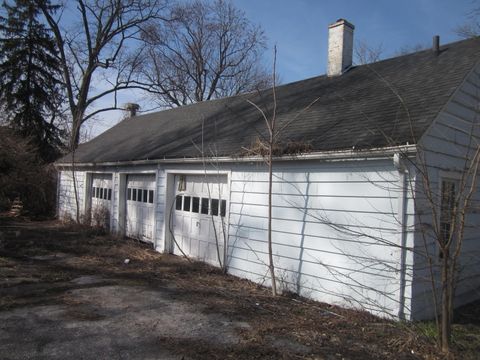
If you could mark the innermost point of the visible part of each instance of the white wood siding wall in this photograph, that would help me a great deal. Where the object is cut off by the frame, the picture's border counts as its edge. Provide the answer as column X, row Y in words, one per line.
column 66, row 195
column 333, row 227
column 66, row 201
column 160, row 210
column 115, row 201
column 446, row 146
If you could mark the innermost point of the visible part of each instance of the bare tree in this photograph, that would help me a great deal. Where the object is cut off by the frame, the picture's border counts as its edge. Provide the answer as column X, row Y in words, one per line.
column 271, row 145
column 408, row 49
column 267, row 148
column 209, row 50
column 443, row 210
column 471, row 27
column 448, row 204
column 99, row 51
column 101, row 47
column 366, row 54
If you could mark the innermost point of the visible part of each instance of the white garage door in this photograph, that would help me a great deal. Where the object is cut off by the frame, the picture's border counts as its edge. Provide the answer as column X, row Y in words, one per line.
column 140, row 206
column 199, row 216
column 101, row 199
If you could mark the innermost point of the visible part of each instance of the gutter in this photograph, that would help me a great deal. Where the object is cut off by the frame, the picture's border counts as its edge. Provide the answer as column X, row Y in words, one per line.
column 342, row 155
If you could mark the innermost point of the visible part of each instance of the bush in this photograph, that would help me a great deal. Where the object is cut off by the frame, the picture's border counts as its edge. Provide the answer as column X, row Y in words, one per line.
column 23, row 175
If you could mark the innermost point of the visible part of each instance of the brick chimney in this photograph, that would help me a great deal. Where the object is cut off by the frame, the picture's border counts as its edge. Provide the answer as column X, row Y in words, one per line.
column 340, row 47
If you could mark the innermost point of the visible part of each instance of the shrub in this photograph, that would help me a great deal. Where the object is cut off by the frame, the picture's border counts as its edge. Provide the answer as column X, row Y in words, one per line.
column 23, row 175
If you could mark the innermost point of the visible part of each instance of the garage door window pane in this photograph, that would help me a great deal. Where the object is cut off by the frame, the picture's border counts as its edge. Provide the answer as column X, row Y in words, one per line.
column 101, row 193
column 105, row 193
column 134, row 194
column 204, row 209
column 215, row 207
column 145, row 195
column 109, row 194
column 186, row 203
column 129, row 194
column 195, row 204
column 93, row 191
column 150, row 196
column 139, row 194
column 223, row 208
column 97, row 192
column 178, row 202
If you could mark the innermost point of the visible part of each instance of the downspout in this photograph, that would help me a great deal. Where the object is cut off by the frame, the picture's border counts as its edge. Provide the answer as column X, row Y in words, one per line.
column 401, row 216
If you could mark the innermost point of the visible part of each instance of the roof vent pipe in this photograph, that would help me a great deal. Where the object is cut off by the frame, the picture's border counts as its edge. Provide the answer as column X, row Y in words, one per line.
column 132, row 108
column 436, row 45
column 340, row 47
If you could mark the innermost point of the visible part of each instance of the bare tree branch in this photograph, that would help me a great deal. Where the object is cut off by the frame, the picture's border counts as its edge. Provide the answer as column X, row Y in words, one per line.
column 99, row 49
column 209, row 51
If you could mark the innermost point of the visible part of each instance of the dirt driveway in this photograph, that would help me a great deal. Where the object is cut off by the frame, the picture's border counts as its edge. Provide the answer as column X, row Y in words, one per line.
column 68, row 293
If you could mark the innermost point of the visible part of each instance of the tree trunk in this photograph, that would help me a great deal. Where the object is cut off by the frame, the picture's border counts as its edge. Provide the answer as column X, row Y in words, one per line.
column 446, row 303
column 270, row 249
column 75, row 190
column 74, row 140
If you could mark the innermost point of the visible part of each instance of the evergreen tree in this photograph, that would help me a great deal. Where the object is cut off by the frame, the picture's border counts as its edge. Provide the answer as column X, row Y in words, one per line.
column 29, row 76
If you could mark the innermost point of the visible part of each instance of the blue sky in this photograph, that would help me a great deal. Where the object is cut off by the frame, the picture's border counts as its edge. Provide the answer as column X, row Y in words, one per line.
column 299, row 28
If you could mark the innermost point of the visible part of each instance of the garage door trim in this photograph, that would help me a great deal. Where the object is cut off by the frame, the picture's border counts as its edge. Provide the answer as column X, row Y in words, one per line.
column 154, row 175
column 170, row 200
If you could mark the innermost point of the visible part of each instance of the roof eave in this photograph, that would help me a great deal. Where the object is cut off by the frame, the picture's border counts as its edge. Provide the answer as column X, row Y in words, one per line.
column 328, row 156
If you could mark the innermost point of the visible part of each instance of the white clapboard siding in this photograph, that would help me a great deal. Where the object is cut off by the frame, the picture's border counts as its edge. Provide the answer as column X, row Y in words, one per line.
column 454, row 135
column 67, row 206
column 160, row 210
column 115, row 201
column 333, row 227
column 328, row 286
column 331, row 173
column 316, row 263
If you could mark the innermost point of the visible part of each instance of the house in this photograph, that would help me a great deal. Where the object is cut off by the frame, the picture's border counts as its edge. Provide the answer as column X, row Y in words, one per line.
column 349, row 218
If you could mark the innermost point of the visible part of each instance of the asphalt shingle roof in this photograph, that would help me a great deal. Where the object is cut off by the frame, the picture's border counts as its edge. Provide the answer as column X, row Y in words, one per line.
column 386, row 103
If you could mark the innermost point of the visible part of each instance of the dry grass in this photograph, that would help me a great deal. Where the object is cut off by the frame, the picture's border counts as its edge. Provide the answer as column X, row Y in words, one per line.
column 40, row 259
